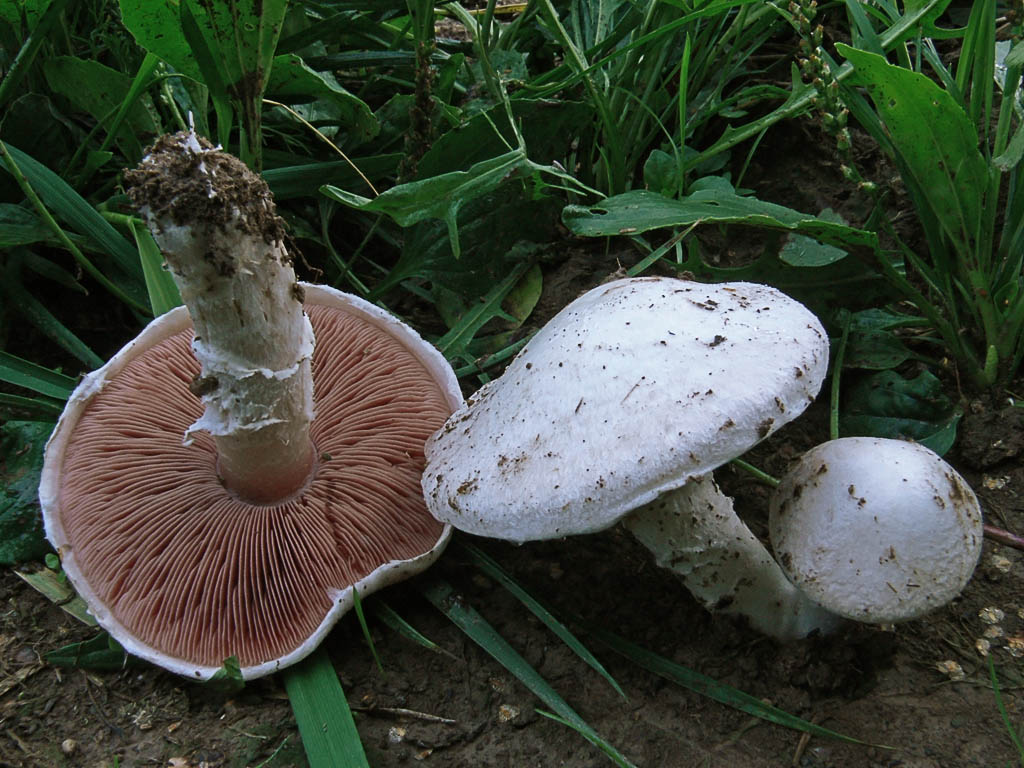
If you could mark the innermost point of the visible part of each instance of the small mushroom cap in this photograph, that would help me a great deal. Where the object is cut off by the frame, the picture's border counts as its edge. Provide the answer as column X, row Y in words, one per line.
column 629, row 391
column 185, row 574
column 876, row 530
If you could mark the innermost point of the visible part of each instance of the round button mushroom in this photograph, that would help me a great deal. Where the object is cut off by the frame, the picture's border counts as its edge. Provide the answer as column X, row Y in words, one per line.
column 876, row 530
column 242, row 528
column 633, row 390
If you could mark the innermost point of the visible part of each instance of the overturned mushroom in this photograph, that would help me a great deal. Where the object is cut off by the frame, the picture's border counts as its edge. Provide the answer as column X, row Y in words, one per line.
column 633, row 390
column 297, row 485
column 876, row 530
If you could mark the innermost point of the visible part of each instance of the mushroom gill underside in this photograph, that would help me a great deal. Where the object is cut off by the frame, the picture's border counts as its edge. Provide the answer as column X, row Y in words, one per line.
column 167, row 556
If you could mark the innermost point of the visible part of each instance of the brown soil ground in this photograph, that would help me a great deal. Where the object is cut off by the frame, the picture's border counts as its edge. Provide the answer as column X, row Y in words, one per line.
column 460, row 709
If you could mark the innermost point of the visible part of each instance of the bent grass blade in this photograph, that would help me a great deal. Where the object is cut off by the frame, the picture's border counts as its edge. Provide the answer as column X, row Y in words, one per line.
column 724, row 694
column 443, row 596
column 495, row 571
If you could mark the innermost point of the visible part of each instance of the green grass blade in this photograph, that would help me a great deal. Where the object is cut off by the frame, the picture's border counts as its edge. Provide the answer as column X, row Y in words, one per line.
column 325, row 721
column 390, row 617
column 615, row 757
column 1001, row 706
column 454, row 343
column 61, row 198
column 442, row 595
column 27, row 54
column 22, row 373
column 357, row 604
column 18, row 408
column 36, row 313
column 163, row 293
column 706, row 686
column 495, row 571
column 57, row 589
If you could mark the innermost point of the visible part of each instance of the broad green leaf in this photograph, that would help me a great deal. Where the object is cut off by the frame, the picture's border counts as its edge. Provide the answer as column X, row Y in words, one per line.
column 292, row 81
column 20, row 226
column 36, row 125
column 101, row 653
column 641, row 211
column 936, row 140
column 21, row 460
column 35, row 312
column 13, row 11
column 155, row 26
column 498, row 231
column 804, row 251
column 453, row 344
column 305, row 180
column 439, row 197
column 882, row 319
column 68, row 205
column 661, row 173
column 875, row 350
column 547, row 127
column 99, row 90
column 444, row 598
column 887, row 405
column 245, row 32
column 322, row 713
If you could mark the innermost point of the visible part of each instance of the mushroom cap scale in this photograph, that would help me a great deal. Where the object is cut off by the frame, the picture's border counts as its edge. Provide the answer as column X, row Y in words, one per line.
column 183, row 573
column 875, row 529
column 632, row 389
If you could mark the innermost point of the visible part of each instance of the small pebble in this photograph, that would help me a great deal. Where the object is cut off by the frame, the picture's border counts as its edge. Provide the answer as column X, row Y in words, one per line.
column 991, row 615
column 69, row 747
column 1000, row 563
column 952, row 669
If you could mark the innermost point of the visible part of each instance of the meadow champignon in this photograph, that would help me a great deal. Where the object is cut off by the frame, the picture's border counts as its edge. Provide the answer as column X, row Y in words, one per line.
column 635, row 389
column 298, row 484
column 876, row 530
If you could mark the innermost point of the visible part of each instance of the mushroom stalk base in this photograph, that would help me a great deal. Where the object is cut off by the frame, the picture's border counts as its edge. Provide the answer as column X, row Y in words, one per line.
column 695, row 532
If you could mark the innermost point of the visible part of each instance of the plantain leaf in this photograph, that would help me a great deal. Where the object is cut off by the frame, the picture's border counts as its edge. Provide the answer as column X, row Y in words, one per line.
column 642, row 210
column 887, row 405
column 99, row 90
column 936, row 139
column 439, row 197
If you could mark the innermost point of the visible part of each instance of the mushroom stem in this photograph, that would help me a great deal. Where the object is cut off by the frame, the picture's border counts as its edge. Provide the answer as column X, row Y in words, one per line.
column 694, row 532
column 215, row 222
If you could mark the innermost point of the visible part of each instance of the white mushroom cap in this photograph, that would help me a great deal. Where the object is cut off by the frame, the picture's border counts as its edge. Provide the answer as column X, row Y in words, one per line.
column 876, row 530
column 631, row 390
